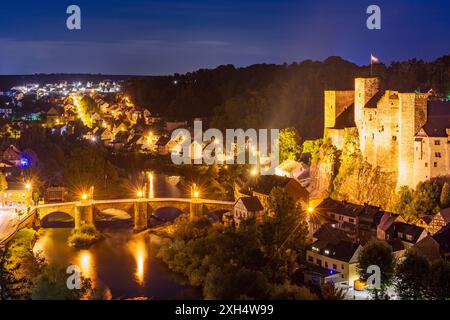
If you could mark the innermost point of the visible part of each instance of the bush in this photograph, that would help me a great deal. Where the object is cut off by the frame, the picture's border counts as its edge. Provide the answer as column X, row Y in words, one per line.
column 84, row 237
column 20, row 265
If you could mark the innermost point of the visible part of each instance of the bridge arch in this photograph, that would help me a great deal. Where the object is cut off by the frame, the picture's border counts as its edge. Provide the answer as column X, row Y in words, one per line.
column 58, row 219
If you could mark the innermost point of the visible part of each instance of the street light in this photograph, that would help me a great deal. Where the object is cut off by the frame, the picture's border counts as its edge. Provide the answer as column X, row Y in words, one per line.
column 140, row 194
column 84, row 196
column 28, row 186
column 310, row 209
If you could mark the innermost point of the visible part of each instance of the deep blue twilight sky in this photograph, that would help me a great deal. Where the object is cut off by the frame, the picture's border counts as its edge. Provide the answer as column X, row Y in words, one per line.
column 167, row 36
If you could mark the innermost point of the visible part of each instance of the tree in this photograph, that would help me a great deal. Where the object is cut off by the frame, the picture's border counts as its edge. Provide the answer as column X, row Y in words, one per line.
column 445, row 196
column 439, row 280
column 378, row 253
column 412, row 276
column 289, row 144
column 329, row 291
column 51, row 284
column 283, row 233
column 426, row 197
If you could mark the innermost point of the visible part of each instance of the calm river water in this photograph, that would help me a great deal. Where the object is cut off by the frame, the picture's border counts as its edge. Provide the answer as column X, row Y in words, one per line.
column 123, row 262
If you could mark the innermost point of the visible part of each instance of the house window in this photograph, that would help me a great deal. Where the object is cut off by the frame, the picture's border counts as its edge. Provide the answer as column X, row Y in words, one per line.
column 435, row 164
column 394, row 138
column 334, row 267
column 437, row 155
column 409, row 237
column 319, row 262
column 342, row 267
column 326, row 264
column 426, row 164
column 341, row 218
column 400, row 235
column 351, row 220
column 310, row 259
column 437, row 142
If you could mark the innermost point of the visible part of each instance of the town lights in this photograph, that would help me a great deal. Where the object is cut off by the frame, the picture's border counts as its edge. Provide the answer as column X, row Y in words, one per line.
column 310, row 209
column 84, row 196
column 28, row 186
column 254, row 172
column 140, row 194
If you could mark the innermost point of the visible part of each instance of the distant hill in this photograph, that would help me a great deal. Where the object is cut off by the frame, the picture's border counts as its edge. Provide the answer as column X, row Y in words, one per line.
column 277, row 96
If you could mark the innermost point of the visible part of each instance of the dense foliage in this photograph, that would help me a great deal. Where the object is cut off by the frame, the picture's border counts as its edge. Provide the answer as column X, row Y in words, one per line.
column 20, row 265
column 84, row 236
column 252, row 262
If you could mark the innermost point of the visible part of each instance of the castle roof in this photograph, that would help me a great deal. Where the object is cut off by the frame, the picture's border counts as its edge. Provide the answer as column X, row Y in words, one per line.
column 346, row 119
column 372, row 103
column 438, row 119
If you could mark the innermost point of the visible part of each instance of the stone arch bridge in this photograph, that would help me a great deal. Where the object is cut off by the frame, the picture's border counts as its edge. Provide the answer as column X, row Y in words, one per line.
column 84, row 213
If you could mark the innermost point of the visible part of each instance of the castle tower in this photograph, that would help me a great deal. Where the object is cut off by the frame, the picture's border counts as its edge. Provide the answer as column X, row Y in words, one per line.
column 365, row 89
column 412, row 117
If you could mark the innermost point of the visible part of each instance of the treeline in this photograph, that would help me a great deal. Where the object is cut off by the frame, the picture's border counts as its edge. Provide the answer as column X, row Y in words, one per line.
column 280, row 96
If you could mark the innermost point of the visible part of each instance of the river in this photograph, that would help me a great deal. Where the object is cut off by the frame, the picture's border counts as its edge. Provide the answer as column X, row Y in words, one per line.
column 124, row 263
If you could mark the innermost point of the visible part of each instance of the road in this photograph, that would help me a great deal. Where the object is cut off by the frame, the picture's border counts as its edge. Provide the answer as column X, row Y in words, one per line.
column 8, row 222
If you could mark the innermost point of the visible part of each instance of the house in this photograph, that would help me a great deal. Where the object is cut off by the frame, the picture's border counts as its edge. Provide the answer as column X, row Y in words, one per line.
column 434, row 223
column 262, row 186
column 54, row 116
column 291, row 169
column 16, row 195
column 332, row 257
column 172, row 125
column 55, row 194
column 443, row 238
column 246, row 208
column 6, row 168
column 12, row 155
column 164, row 145
column 429, row 248
column 391, row 229
column 344, row 215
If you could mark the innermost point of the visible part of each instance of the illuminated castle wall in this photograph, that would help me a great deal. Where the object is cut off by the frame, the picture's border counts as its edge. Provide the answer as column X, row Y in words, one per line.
column 404, row 133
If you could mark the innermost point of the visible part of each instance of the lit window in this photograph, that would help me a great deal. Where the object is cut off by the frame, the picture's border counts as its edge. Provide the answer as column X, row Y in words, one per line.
column 327, row 252
column 437, row 142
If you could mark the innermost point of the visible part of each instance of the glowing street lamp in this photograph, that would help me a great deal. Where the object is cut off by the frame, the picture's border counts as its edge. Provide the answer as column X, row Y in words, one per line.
column 310, row 209
column 195, row 193
column 84, row 196
column 28, row 186
column 140, row 194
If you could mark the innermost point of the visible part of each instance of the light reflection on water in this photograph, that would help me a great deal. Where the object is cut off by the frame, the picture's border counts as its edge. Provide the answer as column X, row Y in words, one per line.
column 123, row 262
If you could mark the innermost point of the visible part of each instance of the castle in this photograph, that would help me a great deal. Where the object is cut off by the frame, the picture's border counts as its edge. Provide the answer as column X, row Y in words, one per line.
column 404, row 133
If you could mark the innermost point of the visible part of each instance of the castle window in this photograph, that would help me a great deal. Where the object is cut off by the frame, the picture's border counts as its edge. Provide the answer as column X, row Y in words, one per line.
column 437, row 155
column 435, row 164
column 437, row 142
column 394, row 138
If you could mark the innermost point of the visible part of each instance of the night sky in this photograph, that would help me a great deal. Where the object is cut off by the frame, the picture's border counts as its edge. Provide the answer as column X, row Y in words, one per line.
column 167, row 36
